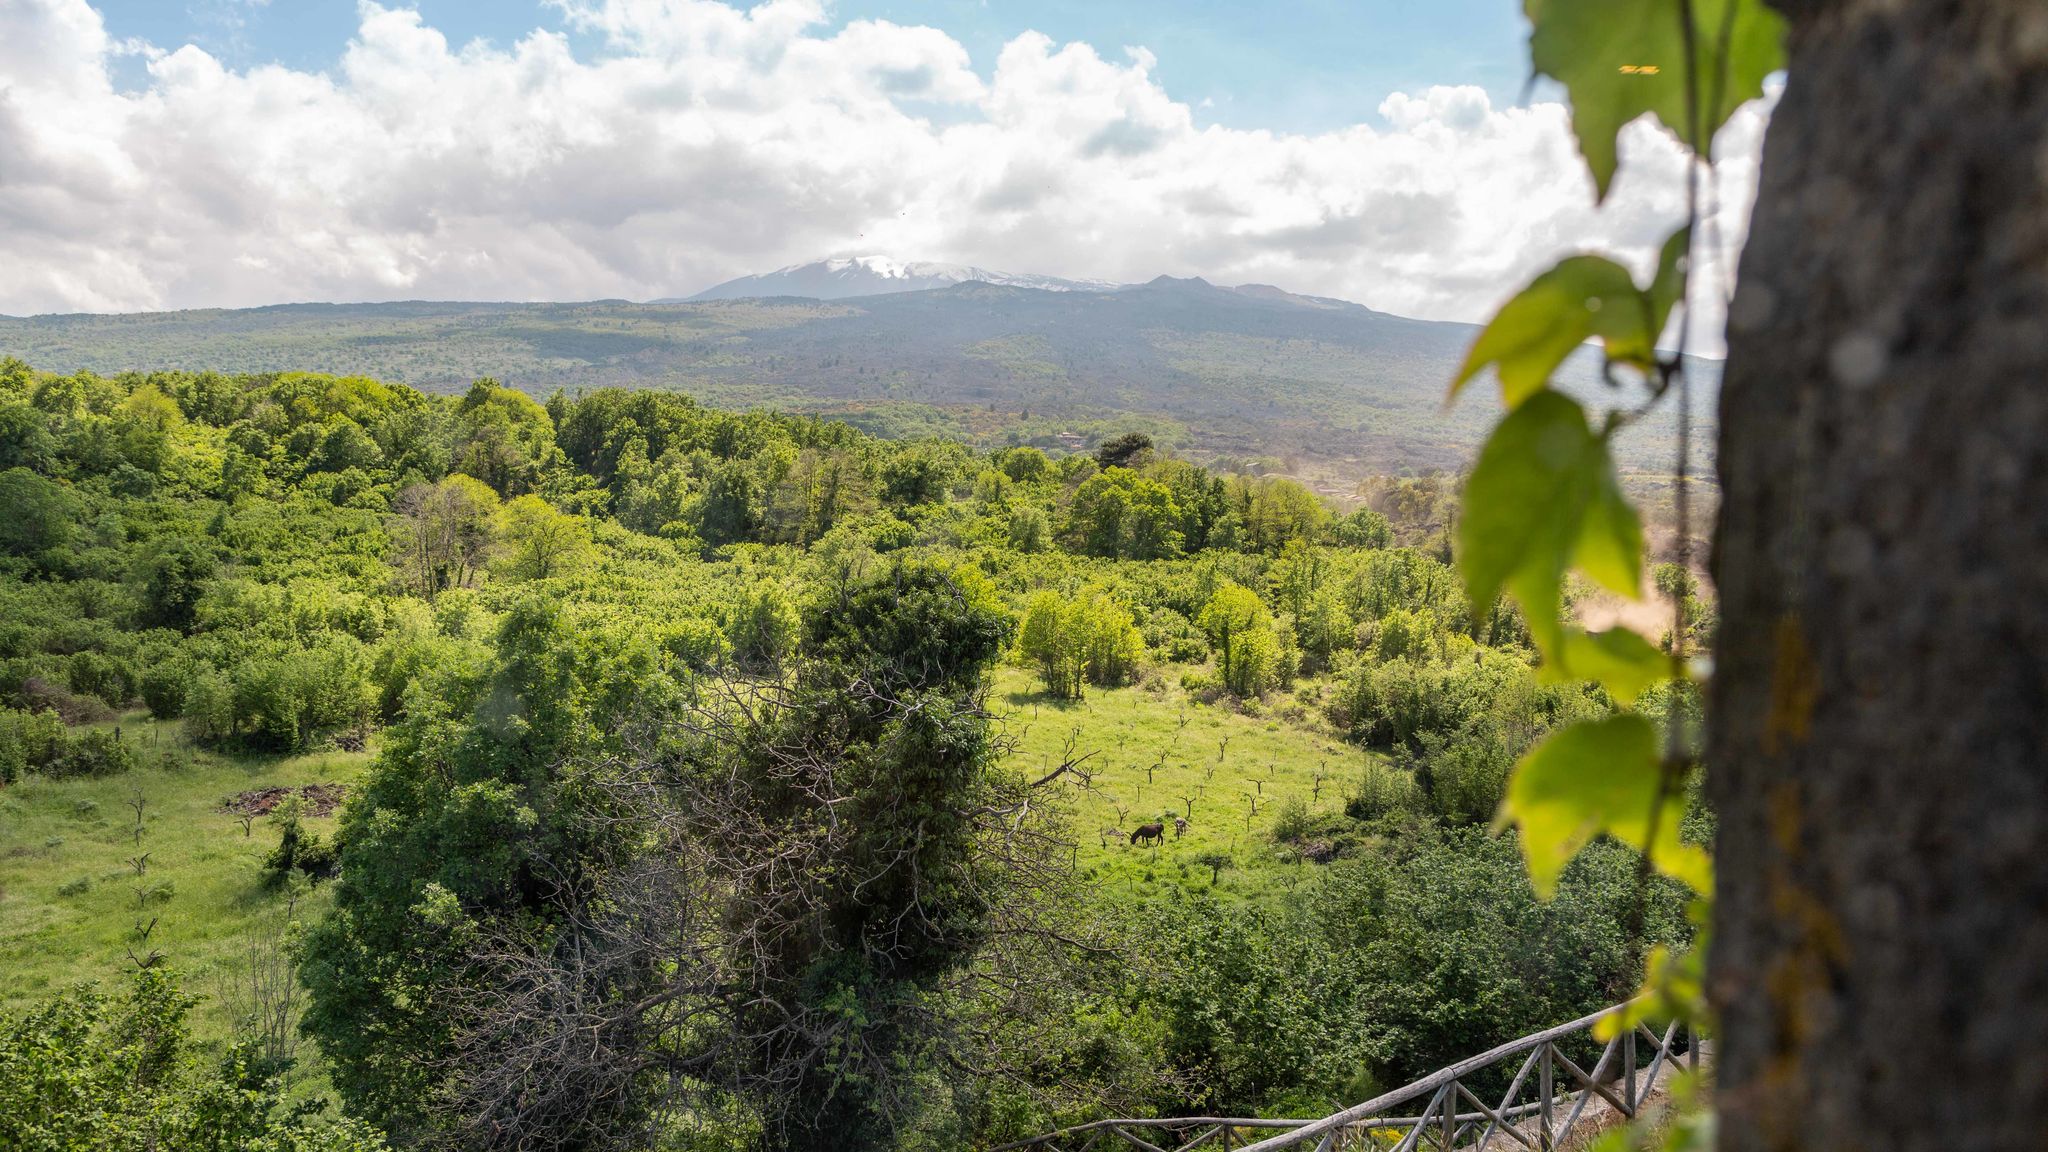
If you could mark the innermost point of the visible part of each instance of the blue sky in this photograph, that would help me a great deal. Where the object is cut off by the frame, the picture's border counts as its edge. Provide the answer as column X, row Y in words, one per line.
column 1292, row 66
column 253, row 152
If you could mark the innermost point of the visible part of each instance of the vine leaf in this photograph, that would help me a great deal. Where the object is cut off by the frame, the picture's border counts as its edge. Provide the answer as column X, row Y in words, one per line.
column 1542, row 498
column 1581, row 298
column 1674, row 981
column 1619, row 59
column 1599, row 776
column 1620, row 659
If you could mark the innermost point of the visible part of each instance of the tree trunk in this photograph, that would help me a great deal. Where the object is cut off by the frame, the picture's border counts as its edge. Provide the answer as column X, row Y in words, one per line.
column 1879, row 755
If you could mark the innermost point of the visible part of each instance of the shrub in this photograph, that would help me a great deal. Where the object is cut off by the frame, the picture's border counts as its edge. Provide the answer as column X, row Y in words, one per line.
column 1466, row 773
column 298, row 848
column 209, row 707
column 1248, row 651
column 1292, row 821
column 291, row 697
column 100, row 752
column 85, row 1070
column 762, row 627
column 696, row 643
column 29, row 742
column 1382, row 790
column 1390, row 704
column 164, row 685
column 97, row 674
column 39, row 695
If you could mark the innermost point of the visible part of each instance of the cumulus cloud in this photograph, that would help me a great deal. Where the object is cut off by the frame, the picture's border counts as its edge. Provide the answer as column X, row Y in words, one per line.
column 699, row 140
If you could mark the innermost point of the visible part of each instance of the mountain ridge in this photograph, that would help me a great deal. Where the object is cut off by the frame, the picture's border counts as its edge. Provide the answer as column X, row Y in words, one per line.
column 845, row 277
column 1252, row 376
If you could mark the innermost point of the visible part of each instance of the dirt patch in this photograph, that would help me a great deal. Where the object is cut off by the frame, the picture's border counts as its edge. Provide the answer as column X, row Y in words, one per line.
column 314, row 800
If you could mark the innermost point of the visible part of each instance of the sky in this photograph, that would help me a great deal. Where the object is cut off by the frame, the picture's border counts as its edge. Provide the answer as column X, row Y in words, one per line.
column 1300, row 66
column 160, row 154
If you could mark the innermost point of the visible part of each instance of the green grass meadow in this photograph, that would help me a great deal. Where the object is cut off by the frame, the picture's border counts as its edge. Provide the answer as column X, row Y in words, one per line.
column 71, row 897
column 1158, row 752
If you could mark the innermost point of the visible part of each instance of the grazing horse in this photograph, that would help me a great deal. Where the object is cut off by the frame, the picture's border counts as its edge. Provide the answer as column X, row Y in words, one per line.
column 1154, row 831
column 1180, row 827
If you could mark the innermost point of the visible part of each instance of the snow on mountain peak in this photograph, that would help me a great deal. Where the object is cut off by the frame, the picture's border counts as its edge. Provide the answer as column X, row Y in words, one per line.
column 839, row 277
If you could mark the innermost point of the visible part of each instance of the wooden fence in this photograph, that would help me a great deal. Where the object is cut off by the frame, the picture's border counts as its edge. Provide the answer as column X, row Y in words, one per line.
column 1546, row 1098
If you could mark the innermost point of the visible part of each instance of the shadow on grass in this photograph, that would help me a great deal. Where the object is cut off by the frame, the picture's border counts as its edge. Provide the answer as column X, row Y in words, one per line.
column 1034, row 699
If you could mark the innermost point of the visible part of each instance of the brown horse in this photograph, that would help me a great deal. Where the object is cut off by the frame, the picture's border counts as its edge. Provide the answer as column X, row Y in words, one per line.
column 1155, row 832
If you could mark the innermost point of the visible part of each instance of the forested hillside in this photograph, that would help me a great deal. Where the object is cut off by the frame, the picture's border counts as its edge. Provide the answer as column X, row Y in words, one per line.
column 1327, row 391
column 711, row 778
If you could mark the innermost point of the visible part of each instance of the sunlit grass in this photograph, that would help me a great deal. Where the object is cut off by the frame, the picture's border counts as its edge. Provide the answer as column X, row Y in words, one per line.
column 72, row 896
column 1156, row 753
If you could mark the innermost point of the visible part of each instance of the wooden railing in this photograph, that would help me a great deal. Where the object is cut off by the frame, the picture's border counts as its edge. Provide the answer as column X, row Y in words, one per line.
column 1559, row 1091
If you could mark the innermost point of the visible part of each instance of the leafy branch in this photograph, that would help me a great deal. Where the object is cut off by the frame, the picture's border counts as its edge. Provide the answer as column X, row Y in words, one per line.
column 1543, row 498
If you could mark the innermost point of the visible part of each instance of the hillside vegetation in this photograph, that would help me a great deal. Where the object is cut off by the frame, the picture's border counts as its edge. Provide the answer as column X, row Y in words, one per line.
column 1327, row 391
column 720, row 779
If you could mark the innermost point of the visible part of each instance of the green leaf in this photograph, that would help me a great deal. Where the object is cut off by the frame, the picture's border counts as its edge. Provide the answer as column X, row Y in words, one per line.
column 1674, row 987
column 1619, row 59
column 1610, row 545
column 1593, row 777
column 1542, row 497
column 1669, row 285
column 1547, row 321
column 1583, row 297
column 1619, row 659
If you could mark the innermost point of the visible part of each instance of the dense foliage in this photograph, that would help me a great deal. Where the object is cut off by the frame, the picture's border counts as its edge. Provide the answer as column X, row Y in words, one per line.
column 621, row 646
column 89, row 1070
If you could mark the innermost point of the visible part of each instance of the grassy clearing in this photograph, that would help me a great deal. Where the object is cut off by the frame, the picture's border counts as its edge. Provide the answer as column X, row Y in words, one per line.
column 1159, row 753
column 69, row 903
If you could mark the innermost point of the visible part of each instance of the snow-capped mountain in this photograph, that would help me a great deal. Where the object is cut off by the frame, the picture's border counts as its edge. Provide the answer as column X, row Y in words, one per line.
column 844, row 276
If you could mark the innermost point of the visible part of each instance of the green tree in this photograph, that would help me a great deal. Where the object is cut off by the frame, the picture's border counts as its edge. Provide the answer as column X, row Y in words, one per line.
column 174, row 572
column 1272, row 510
column 1240, row 630
column 727, row 510
column 471, row 801
column 209, row 707
column 1130, row 450
column 890, row 698
column 1047, row 639
column 1323, row 628
column 87, row 1071
column 503, row 438
column 445, row 533
column 1111, row 643
column 1029, row 530
column 1024, row 465
column 1089, row 638
column 1119, row 513
column 540, row 540
column 41, row 514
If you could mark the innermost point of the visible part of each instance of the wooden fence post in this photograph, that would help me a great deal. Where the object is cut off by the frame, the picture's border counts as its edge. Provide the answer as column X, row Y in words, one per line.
column 1628, row 1071
column 1450, row 1115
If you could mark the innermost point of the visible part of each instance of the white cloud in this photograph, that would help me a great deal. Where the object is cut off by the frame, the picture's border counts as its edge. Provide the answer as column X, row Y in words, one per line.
column 704, row 141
